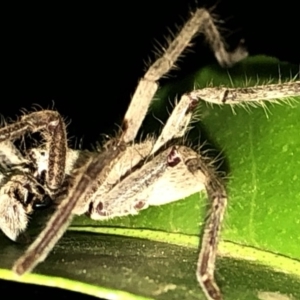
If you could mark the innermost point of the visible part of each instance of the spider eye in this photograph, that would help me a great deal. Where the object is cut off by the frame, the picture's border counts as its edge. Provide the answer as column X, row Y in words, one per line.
column 100, row 209
column 139, row 205
column 173, row 158
column 45, row 203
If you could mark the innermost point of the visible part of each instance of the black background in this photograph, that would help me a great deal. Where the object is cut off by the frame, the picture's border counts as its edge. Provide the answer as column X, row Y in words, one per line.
column 85, row 60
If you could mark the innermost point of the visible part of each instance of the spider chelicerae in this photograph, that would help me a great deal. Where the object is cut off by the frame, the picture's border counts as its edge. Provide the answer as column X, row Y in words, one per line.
column 124, row 177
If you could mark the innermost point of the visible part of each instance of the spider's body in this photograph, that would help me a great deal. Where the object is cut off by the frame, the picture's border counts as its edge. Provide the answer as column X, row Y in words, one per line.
column 20, row 190
column 123, row 177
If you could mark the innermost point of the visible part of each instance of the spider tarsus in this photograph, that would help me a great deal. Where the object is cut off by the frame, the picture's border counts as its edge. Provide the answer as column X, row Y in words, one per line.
column 229, row 59
column 211, row 289
column 212, row 34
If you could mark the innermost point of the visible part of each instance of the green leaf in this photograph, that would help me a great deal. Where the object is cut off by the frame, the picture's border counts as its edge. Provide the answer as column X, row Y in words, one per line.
column 154, row 254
